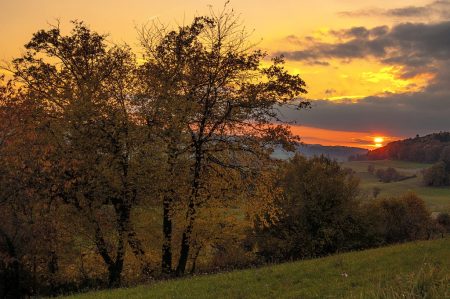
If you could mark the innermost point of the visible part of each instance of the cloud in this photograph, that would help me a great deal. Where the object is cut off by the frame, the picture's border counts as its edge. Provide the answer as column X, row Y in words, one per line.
column 403, row 114
column 438, row 9
column 317, row 62
column 415, row 46
column 411, row 48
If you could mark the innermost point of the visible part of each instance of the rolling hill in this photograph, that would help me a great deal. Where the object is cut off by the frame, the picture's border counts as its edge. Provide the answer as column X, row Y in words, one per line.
column 411, row 270
column 426, row 149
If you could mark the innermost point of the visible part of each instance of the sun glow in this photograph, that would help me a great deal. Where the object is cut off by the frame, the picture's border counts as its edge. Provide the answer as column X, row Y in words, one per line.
column 378, row 141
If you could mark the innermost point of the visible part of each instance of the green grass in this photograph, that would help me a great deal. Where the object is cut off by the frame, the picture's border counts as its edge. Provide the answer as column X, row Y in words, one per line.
column 389, row 272
column 437, row 199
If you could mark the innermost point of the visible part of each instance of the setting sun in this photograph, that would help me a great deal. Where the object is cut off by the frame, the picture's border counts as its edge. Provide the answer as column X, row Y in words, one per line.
column 378, row 139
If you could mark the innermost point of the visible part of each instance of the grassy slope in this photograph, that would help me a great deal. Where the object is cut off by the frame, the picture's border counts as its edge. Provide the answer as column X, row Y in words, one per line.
column 437, row 199
column 349, row 275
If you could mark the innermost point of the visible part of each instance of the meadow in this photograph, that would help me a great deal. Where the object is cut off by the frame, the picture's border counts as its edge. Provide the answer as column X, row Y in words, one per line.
column 411, row 270
column 436, row 198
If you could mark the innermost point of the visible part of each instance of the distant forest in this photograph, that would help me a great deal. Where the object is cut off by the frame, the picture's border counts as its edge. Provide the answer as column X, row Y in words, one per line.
column 427, row 149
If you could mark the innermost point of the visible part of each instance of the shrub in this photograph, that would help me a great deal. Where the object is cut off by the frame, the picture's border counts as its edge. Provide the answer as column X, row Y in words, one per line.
column 437, row 175
column 388, row 175
column 317, row 212
column 397, row 219
column 443, row 223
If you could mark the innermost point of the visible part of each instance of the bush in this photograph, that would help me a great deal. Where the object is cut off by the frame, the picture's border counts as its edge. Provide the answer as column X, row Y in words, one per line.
column 437, row 175
column 317, row 212
column 443, row 223
column 388, row 175
column 396, row 219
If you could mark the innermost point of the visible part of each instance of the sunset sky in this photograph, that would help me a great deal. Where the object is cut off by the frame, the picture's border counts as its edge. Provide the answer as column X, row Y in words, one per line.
column 373, row 68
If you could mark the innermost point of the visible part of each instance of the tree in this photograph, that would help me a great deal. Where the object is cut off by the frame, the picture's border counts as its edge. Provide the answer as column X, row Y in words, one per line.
column 388, row 175
column 443, row 223
column 396, row 219
column 318, row 212
column 437, row 175
column 83, row 90
column 216, row 105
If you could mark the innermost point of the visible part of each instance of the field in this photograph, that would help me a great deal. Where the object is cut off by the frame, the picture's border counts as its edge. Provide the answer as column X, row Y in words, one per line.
column 390, row 271
column 437, row 199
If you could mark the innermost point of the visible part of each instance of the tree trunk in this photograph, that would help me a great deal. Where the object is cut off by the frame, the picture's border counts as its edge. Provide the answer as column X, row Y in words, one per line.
column 169, row 197
column 186, row 241
column 166, row 263
column 123, row 223
column 115, row 271
column 194, row 259
column 184, row 252
column 115, row 267
column 190, row 215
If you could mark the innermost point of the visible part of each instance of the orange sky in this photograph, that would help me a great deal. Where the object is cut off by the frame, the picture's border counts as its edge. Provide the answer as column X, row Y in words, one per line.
column 312, row 135
column 272, row 22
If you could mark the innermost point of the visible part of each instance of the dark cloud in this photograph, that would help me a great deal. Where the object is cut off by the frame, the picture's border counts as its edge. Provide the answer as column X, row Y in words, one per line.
column 404, row 114
column 437, row 9
column 416, row 46
column 317, row 62
column 398, row 115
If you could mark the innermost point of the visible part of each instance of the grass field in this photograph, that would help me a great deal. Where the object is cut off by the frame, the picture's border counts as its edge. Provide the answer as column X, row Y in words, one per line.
column 437, row 199
column 420, row 267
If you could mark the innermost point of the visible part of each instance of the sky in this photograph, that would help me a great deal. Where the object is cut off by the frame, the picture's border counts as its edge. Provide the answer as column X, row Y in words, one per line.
column 372, row 68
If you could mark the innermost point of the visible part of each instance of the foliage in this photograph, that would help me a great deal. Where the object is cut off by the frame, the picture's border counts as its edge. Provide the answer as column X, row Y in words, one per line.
column 437, row 175
column 396, row 219
column 85, row 159
column 90, row 140
column 215, row 107
column 317, row 214
column 443, row 223
column 388, row 175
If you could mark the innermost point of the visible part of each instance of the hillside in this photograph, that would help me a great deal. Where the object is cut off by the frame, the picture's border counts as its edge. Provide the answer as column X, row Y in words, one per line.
column 339, row 153
column 427, row 149
column 393, row 272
